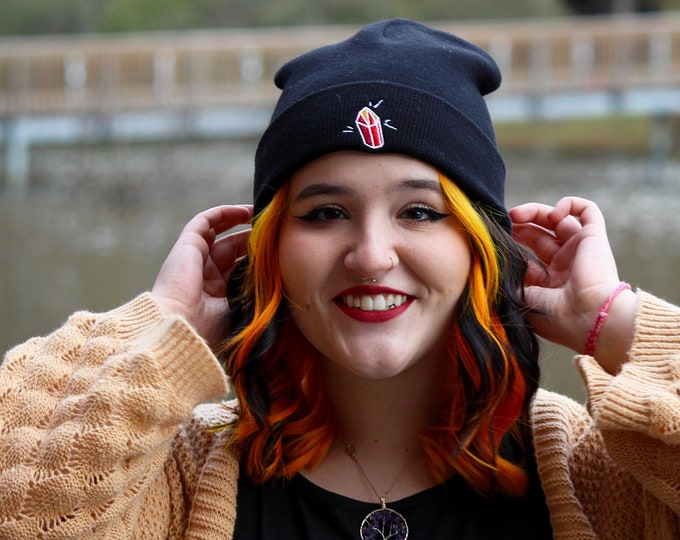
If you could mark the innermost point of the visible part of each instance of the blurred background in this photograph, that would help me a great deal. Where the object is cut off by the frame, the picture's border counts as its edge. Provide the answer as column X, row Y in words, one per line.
column 120, row 119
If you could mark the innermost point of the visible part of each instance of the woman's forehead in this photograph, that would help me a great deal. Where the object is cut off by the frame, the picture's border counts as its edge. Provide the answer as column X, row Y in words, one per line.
column 348, row 168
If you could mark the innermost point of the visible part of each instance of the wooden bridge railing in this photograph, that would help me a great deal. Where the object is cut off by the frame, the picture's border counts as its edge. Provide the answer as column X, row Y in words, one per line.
column 100, row 74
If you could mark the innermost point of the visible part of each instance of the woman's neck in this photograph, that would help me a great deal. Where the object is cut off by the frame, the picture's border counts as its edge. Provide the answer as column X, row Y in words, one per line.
column 387, row 413
column 381, row 421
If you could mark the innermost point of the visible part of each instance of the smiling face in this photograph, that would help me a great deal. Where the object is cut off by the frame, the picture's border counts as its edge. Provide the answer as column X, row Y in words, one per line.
column 373, row 264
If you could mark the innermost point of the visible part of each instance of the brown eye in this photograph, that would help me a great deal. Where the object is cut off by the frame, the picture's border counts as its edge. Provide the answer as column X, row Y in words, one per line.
column 324, row 214
column 422, row 213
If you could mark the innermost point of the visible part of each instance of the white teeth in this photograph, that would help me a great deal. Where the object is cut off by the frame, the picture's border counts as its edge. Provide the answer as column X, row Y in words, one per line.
column 377, row 302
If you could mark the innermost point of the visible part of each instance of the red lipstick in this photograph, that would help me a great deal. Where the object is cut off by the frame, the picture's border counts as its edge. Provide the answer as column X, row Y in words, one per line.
column 375, row 316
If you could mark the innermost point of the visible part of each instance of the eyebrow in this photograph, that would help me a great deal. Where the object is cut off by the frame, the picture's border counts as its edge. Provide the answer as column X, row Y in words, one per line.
column 323, row 188
column 417, row 183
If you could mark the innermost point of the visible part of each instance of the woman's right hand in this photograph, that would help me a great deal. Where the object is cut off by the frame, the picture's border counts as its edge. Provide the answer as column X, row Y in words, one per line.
column 192, row 280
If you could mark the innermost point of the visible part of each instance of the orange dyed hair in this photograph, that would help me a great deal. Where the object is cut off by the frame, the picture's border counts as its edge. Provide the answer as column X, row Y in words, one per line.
column 285, row 420
column 487, row 392
column 284, row 423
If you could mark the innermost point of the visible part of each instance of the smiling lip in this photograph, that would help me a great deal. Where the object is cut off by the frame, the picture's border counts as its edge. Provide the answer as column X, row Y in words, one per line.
column 373, row 303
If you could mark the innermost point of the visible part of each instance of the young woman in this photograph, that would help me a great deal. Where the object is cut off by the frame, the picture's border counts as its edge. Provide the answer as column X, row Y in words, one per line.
column 377, row 331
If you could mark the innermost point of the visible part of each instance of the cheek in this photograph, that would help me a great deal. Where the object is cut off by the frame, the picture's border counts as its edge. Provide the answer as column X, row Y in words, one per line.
column 292, row 278
column 299, row 261
column 449, row 267
column 288, row 268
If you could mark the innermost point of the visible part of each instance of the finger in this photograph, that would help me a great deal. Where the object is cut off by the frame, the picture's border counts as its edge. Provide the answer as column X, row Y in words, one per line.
column 558, row 218
column 536, row 275
column 542, row 242
column 530, row 213
column 565, row 220
column 218, row 219
column 202, row 230
column 532, row 226
column 232, row 216
column 229, row 249
column 585, row 211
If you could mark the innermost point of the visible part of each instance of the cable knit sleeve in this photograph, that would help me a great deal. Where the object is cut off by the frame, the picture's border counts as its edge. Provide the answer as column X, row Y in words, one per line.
column 638, row 410
column 87, row 417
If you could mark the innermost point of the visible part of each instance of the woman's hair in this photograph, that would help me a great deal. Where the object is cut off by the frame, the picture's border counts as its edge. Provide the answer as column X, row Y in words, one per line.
column 285, row 420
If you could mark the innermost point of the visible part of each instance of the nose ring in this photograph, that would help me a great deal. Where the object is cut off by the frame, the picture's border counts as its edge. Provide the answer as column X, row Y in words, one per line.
column 374, row 280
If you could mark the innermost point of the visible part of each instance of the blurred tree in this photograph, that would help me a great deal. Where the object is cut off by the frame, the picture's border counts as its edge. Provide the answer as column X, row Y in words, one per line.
column 78, row 16
column 48, row 17
column 596, row 7
column 125, row 15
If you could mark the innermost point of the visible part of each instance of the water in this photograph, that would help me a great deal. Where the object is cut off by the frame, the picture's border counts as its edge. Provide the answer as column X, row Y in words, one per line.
column 99, row 220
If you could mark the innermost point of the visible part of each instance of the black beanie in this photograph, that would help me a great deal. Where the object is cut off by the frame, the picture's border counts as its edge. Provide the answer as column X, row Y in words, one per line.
column 396, row 87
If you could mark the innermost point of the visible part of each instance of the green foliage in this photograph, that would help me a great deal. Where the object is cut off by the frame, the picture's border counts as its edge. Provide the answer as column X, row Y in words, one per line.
column 47, row 16
column 22, row 17
column 126, row 15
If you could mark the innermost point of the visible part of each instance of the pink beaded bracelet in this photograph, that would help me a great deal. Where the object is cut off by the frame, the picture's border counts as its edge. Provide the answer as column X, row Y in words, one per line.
column 594, row 334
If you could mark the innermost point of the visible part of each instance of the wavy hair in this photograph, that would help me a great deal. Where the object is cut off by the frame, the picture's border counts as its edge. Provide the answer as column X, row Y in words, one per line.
column 285, row 421
column 494, row 370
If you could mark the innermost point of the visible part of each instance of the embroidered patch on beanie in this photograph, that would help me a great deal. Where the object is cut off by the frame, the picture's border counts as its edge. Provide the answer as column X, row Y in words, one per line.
column 370, row 126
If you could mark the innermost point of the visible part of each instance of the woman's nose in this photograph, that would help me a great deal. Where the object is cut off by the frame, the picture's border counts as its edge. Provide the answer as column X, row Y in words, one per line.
column 372, row 253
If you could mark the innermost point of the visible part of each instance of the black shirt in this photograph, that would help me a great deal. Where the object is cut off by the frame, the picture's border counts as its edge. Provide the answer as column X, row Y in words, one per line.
column 299, row 509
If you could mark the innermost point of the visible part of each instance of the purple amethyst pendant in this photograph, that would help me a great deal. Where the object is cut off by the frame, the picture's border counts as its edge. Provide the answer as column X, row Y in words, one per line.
column 382, row 524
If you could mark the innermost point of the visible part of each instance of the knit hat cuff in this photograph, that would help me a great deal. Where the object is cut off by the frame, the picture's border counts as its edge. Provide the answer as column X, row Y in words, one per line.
column 411, row 122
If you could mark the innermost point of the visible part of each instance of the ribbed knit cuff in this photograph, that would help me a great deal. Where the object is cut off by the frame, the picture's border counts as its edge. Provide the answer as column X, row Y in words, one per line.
column 186, row 361
column 639, row 396
column 657, row 332
column 133, row 318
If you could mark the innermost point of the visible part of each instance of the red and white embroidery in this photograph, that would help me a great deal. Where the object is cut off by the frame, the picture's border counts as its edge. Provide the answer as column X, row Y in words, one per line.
column 370, row 129
column 370, row 126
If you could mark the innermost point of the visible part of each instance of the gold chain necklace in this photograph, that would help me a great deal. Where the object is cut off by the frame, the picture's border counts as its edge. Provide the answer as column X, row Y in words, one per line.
column 384, row 522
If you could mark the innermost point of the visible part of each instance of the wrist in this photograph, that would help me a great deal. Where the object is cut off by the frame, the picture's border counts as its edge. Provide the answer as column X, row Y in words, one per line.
column 611, row 334
column 168, row 307
column 601, row 319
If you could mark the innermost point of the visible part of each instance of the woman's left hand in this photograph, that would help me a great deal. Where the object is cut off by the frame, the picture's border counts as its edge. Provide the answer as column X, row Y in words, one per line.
column 578, row 276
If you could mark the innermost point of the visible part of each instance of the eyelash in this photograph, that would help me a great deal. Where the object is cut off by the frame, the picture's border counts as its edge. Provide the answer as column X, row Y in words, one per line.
column 431, row 214
column 319, row 215
column 316, row 214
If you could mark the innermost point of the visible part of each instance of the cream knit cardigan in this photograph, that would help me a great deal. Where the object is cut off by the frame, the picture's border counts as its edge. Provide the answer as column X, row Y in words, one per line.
column 102, row 435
